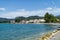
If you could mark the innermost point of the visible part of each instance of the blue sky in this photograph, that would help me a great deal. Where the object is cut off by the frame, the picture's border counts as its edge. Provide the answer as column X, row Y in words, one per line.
column 14, row 8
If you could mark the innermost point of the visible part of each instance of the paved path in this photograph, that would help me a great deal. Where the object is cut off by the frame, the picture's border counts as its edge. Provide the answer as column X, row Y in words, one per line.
column 56, row 36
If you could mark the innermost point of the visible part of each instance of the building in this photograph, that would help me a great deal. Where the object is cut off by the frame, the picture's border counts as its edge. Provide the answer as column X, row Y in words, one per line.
column 32, row 21
column 41, row 20
column 12, row 21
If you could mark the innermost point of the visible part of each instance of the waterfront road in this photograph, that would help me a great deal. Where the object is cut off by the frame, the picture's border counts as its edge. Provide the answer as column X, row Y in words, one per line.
column 56, row 37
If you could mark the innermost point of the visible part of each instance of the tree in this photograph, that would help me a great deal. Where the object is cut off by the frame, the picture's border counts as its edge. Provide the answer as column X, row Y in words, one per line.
column 33, row 17
column 18, row 19
column 53, row 18
column 49, row 18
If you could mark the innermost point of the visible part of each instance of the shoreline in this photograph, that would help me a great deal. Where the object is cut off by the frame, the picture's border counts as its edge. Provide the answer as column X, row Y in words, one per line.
column 32, row 23
column 49, row 35
column 38, row 23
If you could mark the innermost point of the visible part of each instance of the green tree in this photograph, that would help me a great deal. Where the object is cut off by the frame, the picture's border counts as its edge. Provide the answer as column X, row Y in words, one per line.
column 49, row 18
column 33, row 17
column 18, row 19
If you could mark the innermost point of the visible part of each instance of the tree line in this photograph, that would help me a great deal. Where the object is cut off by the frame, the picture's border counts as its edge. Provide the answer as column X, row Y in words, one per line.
column 18, row 19
column 49, row 18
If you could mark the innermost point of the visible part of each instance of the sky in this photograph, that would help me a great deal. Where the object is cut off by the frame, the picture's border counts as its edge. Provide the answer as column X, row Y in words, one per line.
column 15, row 8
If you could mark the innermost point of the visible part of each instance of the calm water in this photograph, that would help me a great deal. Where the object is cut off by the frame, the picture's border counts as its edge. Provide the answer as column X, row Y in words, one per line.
column 23, row 31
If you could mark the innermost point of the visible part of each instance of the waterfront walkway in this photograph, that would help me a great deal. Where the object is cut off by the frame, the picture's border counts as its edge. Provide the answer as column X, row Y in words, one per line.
column 55, row 35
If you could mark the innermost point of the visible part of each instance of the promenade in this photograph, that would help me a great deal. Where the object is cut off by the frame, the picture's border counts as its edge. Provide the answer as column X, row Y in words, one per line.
column 51, row 36
column 56, row 36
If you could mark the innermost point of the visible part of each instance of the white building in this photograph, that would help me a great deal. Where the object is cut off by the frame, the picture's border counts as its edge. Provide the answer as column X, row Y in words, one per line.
column 42, row 20
column 12, row 21
column 33, row 21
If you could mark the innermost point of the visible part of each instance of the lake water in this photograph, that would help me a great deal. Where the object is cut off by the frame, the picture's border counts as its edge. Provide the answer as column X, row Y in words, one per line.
column 23, row 31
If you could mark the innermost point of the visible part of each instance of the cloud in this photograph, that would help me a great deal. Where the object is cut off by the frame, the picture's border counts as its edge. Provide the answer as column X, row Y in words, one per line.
column 20, row 12
column 2, row 9
column 26, row 13
column 49, row 8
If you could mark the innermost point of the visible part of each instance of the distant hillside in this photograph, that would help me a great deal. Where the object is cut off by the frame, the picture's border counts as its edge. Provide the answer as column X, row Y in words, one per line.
column 5, row 20
column 29, row 18
column 34, row 17
column 20, row 18
column 58, row 16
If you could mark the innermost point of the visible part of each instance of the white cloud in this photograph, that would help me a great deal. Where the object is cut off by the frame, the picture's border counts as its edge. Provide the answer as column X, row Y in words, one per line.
column 23, row 12
column 20, row 13
column 2, row 9
column 49, row 8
